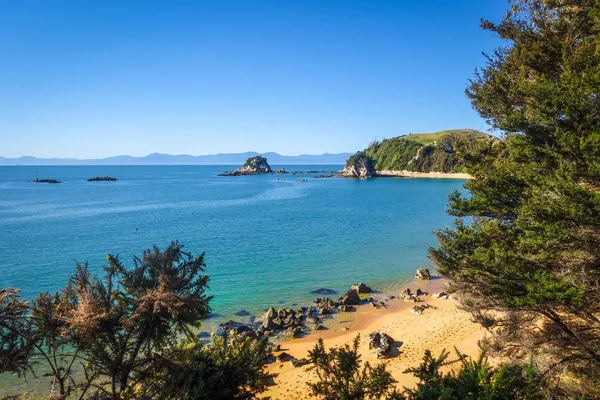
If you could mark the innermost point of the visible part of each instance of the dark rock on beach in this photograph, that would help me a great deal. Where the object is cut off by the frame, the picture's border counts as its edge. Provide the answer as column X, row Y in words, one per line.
column 296, row 363
column 422, row 273
column 283, row 357
column 382, row 342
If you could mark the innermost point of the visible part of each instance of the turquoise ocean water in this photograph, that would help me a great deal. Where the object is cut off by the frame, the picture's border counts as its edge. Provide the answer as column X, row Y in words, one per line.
column 269, row 240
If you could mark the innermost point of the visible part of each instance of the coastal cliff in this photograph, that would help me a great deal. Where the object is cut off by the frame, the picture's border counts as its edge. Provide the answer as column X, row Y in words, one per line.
column 411, row 155
column 359, row 165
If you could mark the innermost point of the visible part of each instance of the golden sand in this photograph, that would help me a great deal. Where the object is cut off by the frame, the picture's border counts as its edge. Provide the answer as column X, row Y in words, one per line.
column 444, row 326
column 410, row 174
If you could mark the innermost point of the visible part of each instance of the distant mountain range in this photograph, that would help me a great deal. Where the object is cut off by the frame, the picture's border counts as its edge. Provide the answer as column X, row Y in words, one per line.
column 183, row 159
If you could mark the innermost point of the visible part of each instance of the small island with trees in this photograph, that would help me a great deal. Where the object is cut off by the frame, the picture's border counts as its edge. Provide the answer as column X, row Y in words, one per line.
column 102, row 179
column 253, row 166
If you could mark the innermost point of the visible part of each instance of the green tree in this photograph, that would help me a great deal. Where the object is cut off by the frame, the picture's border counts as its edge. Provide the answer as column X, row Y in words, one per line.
column 474, row 380
column 526, row 262
column 15, row 348
column 340, row 377
column 228, row 368
column 116, row 329
column 138, row 314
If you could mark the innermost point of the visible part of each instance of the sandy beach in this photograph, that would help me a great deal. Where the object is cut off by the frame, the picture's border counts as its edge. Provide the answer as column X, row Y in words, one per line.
column 410, row 174
column 444, row 326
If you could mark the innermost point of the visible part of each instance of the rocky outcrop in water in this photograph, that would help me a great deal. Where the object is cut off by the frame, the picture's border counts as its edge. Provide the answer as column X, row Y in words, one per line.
column 359, row 166
column 102, row 179
column 295, row 323
column 361, row 288
column 46, row 181
column 253, row 166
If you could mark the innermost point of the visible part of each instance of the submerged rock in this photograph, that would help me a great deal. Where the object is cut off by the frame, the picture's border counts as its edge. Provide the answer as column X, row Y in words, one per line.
column 324, row 292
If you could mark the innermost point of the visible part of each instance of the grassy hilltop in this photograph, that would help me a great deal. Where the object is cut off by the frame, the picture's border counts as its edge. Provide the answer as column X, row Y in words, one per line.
column 421, row 152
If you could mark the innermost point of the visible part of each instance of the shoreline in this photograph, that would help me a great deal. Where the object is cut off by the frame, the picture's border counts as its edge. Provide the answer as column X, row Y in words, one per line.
column 444, row 326
column 411, row 174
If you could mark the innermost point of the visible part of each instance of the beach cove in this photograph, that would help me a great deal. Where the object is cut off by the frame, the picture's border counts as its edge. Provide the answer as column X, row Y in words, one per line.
column 269, row 240
column 443, row 326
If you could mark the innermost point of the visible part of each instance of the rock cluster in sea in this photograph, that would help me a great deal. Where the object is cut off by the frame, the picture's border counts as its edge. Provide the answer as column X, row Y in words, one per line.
column 258, row 165
column 102, row 179
column 46, row 181
column 294, row 323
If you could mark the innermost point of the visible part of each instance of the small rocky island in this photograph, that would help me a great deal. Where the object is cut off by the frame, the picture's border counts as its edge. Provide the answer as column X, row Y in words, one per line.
column 253, row 166
column 102, row 179
column 46, row 181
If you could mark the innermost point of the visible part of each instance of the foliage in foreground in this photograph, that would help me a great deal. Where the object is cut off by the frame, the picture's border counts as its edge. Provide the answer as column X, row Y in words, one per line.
column 404, row 153
column 526, row 262
column 130, row 335
column 340, row 377
column 229, row 368
column 475, row 380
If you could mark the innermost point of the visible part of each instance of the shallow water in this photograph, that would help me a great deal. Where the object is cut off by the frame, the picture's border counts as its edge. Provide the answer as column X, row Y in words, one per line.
column 269, row 240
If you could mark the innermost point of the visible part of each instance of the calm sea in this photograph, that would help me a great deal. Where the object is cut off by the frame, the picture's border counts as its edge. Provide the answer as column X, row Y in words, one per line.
column 269, row 240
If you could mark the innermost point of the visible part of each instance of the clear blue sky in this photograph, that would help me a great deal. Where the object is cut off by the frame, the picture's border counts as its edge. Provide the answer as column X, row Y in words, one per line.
column 99, row 78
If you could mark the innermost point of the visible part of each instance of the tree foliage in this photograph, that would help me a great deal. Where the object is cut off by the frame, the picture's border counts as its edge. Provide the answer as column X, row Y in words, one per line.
column 135, row 314
column 340, row 376
column 526, row 262
column 15, row 347
column 474, row 380
column 229, row 368
column 113, row 329
column 413, row 154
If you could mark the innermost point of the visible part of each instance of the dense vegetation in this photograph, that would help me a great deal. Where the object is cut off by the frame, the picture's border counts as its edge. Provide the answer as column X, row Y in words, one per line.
column 340, row 377
column 526, row 261
column 131, row 335
column 436, row 152
column 524, row 257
